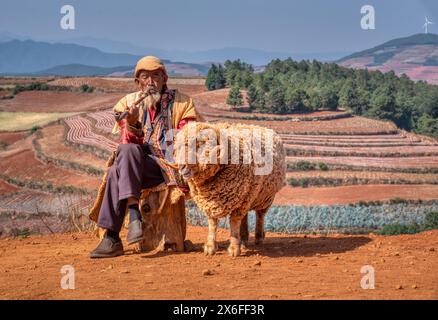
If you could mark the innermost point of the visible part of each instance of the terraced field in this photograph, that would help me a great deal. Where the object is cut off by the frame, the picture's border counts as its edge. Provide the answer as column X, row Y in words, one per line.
column 50, row 143
column 104, row 120
column 350, row 126
column 20, row 167
column 52, row 101
column 125, row 85
column 333, row 157
column 81, row 132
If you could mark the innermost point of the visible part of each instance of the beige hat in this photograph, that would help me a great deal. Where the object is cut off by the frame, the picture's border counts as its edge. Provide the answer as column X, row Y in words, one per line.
column 149, row 63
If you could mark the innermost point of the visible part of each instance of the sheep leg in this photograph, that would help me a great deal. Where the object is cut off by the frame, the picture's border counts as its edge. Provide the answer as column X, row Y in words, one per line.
column 210, row 246
column 244, row 233
column 234, row 248
column 260, row 226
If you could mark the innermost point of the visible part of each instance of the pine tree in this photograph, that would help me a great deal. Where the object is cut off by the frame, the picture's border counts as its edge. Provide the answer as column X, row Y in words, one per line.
column 275, row 100
column 215, row 78
column 295, row 100
column 210, row 82
column 252, row 96
column 234, row 97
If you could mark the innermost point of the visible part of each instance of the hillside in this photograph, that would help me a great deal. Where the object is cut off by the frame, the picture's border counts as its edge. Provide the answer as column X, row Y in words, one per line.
column 416, row 56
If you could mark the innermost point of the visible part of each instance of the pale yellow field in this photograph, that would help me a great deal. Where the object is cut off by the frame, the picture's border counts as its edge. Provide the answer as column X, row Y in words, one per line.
column 17, row 121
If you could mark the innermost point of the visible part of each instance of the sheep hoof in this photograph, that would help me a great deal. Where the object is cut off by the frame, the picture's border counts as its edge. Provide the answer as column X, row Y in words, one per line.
column 234, row 250
column 210, row 249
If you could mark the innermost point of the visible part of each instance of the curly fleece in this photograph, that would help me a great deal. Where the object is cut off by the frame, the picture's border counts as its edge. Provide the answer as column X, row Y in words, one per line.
column 223, row 189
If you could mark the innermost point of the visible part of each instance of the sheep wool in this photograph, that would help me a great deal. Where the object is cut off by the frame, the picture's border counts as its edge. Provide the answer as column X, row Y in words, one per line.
column 228, row 186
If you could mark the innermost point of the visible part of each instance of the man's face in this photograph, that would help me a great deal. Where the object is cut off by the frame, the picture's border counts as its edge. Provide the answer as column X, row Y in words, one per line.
column 151, row 81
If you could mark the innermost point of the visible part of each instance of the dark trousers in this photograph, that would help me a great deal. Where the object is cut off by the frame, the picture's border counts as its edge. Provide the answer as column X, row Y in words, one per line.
column 132, row 171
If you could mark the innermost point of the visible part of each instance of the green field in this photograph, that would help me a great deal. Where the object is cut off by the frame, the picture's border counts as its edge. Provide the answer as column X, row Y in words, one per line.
column 18, row 121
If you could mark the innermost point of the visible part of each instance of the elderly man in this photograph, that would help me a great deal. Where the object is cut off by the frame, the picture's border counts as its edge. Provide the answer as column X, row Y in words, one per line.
column 146, row 120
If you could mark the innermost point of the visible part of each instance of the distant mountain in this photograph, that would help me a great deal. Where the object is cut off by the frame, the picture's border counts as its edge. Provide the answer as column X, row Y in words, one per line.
column 111, row 46
column 416, row 56
column 6, row 36
column 80, row 70
column 253, row 56
column 32, row 57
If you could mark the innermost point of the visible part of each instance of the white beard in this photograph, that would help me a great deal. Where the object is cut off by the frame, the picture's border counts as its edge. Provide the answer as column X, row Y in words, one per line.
column 152, row 99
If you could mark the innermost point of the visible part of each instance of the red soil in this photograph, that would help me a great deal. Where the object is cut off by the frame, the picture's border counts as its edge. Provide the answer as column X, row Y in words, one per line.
column 354, row 194
column 11, row 137
column 285, row 267
column 126, row 85
column 4, row 93
column 51, row 101
column 23, row 80
column 422, row 149
column 7, row 188
column 417, row 178
column 377, row 162
column 20, row 163
column 345, row 126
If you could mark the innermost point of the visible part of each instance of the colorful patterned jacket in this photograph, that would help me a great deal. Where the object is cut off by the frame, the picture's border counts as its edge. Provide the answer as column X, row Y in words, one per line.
column 174, row 111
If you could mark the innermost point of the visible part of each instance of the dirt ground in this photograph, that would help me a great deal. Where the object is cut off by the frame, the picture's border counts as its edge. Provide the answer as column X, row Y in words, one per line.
column 285, row 267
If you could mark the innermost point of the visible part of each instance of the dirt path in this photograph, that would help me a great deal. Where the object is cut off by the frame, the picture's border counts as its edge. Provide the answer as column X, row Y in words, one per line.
column 286, row 267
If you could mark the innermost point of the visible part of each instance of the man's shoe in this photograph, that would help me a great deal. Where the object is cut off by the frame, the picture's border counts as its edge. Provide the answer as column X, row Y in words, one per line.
column 107, row 249
column 135, row 232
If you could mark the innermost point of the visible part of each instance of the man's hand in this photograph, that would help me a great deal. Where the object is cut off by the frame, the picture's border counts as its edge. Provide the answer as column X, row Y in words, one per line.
column 133, row 113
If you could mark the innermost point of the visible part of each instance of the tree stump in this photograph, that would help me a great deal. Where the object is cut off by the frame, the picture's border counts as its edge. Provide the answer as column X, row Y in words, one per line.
column 164, row 220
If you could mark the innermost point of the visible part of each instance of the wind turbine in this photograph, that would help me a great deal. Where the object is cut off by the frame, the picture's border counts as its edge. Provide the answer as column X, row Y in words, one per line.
column 426, row 24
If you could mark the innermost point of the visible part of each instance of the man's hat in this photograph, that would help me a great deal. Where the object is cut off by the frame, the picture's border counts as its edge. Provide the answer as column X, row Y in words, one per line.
column 149, row 63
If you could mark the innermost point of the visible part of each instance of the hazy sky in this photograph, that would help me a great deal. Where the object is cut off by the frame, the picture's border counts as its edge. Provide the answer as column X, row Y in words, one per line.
column 308, row 26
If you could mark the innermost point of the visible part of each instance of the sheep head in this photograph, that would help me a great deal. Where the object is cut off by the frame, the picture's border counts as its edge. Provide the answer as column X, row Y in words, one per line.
column 197, row 151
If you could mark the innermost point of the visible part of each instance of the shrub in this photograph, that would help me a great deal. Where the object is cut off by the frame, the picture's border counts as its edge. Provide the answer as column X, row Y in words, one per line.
column 323, row 166
column 431, row 221
column 293, row 182
column 395, row 229
column 397, row 200
column 305, row 165
column 20, row 233
column 87, row 88
column 34, row 129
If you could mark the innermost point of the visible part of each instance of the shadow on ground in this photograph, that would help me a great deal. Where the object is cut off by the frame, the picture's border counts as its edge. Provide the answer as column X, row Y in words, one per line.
column 287, row 246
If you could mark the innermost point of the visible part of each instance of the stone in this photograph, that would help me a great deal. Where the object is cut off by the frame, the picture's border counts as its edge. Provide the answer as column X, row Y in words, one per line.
column 207, row 272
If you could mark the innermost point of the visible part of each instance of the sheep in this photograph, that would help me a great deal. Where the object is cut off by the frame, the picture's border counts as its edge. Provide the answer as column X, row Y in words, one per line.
column 231, row 169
